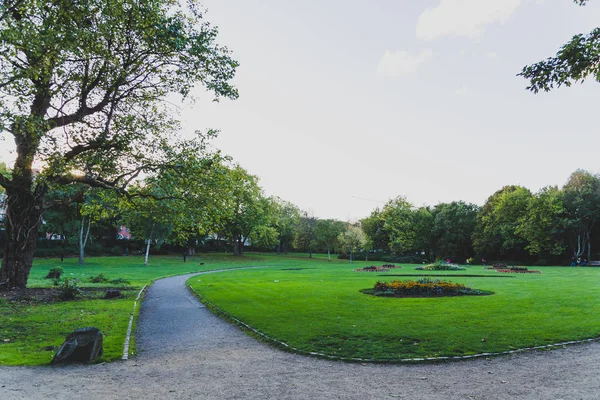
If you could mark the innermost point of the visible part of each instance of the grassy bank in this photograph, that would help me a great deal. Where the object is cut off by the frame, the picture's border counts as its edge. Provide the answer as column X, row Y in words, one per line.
column 31, row 330
column 316, row 306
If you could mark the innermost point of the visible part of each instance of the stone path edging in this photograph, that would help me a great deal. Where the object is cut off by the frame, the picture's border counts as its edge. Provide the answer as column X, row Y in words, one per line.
column 128, row 335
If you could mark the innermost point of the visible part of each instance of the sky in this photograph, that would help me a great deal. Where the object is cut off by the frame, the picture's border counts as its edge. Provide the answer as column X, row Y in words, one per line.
column 346, row 104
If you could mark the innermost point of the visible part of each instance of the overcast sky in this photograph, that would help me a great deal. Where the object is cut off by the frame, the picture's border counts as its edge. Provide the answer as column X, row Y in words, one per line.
column 346, row 104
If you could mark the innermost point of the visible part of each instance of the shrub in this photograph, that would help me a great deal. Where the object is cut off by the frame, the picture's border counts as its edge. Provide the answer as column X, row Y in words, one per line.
column 120, row 281
column 100, row 278
column 441, row 266
column 55, row 274
column 69, row 289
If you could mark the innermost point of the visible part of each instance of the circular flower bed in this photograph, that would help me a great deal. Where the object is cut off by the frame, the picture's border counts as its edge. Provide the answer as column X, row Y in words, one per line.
column 441, row 266
column 424, row 287
column 377, row 268
column 518, row 270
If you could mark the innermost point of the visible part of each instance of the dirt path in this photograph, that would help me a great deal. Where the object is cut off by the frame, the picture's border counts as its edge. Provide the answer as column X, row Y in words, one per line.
column 188, row 353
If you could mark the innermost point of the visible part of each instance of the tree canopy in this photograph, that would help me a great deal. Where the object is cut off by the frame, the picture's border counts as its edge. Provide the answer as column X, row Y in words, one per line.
column 82, row 89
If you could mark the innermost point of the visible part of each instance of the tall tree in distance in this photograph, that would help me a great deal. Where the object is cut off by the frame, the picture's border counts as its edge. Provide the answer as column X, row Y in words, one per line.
column 352, row 239
column 454, row 224
column 305, row 238
column 581, row 199
column 82, row 85
column 286, row 216
column 247, row 210
column 544, row 224
column 495, row 232
column 327, row 232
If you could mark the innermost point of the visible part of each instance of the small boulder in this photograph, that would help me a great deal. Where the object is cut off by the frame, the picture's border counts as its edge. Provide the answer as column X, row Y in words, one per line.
column 81, row 346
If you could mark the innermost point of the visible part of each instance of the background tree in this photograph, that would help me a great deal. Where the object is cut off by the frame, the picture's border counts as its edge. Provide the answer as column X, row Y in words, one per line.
column 305, row 238
column 581, row 197
column 399, row 225
column 149, row 216
column 287, row 216
column 247, row 209
column 71, row 211
column 188, row 200
column 374, row 228
column 352, row 239
column 422, row 221
column 543, row 225
column 495, row 233
column 453, row 226
column 327, row 232
column 82, row 85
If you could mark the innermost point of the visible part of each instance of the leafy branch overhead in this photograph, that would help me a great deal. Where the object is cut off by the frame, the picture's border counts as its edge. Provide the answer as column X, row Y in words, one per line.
column 576, row 61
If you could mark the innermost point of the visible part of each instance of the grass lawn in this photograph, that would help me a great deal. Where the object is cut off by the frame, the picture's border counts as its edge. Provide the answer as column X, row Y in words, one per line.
column 31, row 331
column 316, row 306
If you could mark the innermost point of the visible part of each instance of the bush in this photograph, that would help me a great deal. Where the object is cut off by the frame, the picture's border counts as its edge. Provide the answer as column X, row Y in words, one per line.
column 55, row 274
column 120, row 281
column 69, row 289
column 441, row 266
column 100, row 278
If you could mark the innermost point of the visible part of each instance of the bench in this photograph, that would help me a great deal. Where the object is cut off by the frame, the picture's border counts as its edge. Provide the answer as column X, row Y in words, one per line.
column 594, row 263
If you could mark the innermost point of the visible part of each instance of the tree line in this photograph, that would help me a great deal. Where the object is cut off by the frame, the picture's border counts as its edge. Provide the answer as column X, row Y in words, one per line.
column 213, row 204
column 514, row 224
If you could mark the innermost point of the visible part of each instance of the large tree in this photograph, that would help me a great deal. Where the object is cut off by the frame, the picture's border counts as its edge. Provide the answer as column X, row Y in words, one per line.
column 574, row 62
column 495, row 232
column 81, row 88
column 454, row 224
column 543, row 225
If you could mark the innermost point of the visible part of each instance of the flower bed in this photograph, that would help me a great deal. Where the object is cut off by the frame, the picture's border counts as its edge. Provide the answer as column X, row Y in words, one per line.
column 377, row 268
column 441, row 266
column 424, row 287
column 518, row 270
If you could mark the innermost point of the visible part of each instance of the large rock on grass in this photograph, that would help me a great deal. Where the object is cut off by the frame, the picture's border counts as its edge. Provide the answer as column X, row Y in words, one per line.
column 82, row 346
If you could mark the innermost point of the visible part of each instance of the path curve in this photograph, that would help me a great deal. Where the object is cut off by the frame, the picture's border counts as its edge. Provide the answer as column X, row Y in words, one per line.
column 188, row 353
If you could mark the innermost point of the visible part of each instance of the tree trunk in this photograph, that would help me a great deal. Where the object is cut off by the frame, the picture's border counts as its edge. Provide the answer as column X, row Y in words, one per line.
column 328, row 254
column 83, row 238
column 148, row 241
column 589, row 247
column 22, row 219
column 147, row 252
column 309, row 253
column 238, row 247
column 350, row 256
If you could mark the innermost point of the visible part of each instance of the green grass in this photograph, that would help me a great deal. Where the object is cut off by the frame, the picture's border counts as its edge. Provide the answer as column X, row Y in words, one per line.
column 315, row 305
column 320, row 309
column 31, row 332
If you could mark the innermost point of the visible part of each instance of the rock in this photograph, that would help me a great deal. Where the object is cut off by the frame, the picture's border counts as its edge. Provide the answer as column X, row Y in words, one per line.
column 83, row 346
column 112, row 293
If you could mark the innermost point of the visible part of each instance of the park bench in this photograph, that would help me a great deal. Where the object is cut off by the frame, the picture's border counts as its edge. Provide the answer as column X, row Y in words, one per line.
column 595, row 263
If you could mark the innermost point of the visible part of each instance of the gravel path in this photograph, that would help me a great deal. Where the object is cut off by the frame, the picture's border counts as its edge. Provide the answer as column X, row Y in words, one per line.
column 188, row 353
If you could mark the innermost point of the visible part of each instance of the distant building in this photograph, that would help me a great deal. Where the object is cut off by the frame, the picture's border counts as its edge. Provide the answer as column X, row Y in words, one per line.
column 123, row 233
